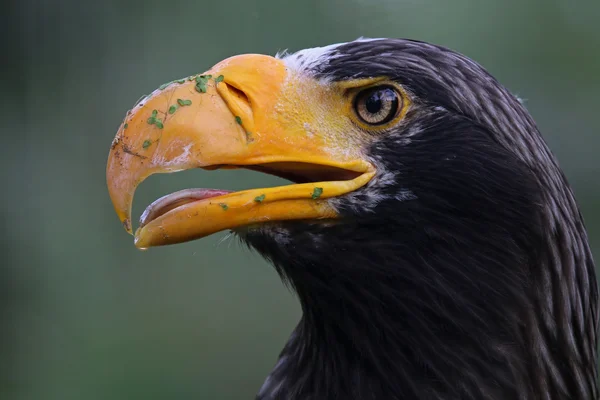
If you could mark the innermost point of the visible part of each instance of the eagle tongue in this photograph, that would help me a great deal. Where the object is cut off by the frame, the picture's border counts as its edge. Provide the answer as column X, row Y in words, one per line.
column 177, row 199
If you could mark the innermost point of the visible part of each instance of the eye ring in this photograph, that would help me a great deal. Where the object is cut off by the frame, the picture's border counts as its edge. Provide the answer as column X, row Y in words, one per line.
column 377, row 105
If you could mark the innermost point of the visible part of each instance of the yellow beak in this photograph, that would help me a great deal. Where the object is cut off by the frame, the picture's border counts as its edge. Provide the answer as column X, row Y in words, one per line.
column 247, row 111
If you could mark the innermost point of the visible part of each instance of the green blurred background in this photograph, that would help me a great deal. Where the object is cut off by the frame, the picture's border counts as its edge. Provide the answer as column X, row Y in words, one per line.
column 87, row 316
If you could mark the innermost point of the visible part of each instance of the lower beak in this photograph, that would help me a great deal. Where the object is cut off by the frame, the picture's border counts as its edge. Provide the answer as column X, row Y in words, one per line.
column 240, row 113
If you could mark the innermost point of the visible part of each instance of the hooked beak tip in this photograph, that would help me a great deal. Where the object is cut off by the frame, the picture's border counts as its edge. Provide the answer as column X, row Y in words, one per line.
column 127, row 225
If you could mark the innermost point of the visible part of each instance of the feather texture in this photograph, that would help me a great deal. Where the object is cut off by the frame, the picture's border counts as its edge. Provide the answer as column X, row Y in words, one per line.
column 462, row 271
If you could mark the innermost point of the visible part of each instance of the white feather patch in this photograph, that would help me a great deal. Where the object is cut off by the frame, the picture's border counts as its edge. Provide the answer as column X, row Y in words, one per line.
column 304, row 61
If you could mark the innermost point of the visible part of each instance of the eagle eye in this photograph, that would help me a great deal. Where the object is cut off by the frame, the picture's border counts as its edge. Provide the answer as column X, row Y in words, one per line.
column 377, row 105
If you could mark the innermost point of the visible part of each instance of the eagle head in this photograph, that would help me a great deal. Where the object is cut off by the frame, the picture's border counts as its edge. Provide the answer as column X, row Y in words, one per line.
column 434, row 243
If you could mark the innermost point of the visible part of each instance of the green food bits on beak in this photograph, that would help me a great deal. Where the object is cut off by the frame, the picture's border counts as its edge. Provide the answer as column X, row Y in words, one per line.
column 259, row 199
column 164, row 86
column 180, row 81
column 238, row 119
column 219, row 78
column 172, row 109
column 224, row 206
column 155, row 121
column 201, row 87
column 182, row 102
column 201, row 81
column 317, row 193
column 126, row 126
column 146, row 144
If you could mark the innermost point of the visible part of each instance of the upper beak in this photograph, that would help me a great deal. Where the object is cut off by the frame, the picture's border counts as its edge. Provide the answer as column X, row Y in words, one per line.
column 241, row 113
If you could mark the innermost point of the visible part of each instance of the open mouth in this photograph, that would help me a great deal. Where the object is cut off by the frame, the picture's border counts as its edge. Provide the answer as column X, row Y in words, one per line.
column 298, row 173
column 243, row 113
column 180, row 198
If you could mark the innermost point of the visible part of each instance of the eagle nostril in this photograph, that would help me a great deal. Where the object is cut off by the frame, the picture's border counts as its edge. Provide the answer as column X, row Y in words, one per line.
column 239, row 104
column 238, row 94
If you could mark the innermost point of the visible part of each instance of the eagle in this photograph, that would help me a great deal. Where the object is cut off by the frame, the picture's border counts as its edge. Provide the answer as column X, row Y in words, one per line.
column 434, row 244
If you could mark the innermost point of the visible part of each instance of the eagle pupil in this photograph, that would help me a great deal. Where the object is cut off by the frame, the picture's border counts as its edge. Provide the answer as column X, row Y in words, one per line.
column 374, row 102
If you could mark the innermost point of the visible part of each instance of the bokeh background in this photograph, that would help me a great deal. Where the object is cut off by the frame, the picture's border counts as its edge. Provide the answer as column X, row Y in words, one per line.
column 83, row 314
